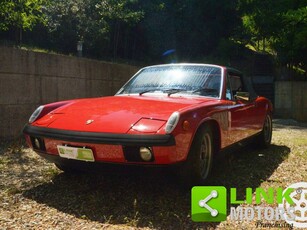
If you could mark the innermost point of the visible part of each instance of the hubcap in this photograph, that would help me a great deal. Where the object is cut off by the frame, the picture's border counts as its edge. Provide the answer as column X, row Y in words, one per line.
column 205, row 155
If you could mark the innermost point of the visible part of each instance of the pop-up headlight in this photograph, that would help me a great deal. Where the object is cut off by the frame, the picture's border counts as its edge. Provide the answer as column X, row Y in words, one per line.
column 36, row 113
column 172, row 122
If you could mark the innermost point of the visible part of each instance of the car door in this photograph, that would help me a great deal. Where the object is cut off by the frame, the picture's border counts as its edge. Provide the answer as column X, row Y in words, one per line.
column 240, row 109
column 256, row 112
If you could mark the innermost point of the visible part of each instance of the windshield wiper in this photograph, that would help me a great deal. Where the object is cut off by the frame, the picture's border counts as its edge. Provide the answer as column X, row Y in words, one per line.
column 173, row 91
column 168, row 91
column 208, row 91
column 147, row 91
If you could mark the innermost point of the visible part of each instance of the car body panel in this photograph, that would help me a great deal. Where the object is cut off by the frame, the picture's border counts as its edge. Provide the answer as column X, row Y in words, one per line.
column 103, row 111
column 114, row 126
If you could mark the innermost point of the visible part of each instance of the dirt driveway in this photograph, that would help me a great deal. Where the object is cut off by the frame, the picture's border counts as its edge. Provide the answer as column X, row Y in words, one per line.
column 36, row 195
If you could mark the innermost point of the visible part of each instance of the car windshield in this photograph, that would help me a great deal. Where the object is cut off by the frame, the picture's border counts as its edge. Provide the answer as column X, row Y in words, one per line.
column 171, row 79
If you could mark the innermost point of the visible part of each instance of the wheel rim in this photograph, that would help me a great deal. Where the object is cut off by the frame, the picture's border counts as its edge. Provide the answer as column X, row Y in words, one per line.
column 205, row 155
column 267, row 129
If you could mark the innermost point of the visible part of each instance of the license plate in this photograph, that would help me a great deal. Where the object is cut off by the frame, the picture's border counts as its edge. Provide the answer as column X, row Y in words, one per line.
column 82, row 154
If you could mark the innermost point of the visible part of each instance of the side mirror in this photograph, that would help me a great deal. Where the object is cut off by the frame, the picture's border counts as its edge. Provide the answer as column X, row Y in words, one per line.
column 244, row 96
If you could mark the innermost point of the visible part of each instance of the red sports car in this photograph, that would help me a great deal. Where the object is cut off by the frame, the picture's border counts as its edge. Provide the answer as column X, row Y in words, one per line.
column 176, row 114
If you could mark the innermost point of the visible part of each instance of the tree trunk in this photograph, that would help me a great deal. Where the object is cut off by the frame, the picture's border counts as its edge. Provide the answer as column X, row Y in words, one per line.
column 20, row 36
column 116, row 38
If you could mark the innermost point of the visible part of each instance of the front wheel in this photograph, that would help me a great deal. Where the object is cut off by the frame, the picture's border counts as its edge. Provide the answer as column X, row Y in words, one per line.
column 199, row 161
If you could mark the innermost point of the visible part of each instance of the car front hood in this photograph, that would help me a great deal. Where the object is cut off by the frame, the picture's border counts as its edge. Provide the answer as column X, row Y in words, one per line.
column 116, row 114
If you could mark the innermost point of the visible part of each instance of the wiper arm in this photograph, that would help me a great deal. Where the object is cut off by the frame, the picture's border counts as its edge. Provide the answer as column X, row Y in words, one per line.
column 168, row 91
column 173, row 91
column 206, row 90
column 147, row 91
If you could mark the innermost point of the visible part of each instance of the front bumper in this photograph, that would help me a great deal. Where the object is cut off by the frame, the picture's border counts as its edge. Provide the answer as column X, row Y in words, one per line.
column 107, row 147
column 99, row 138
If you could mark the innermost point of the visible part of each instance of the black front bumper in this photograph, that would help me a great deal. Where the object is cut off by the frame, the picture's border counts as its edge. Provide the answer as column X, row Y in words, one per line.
column 100, row 138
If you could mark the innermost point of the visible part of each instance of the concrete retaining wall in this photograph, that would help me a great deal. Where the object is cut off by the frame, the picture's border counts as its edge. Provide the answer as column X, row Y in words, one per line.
column 291, row 100
column 29, row 79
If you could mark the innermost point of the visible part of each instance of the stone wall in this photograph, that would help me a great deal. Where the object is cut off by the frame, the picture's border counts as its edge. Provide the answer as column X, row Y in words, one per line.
column 291, row 100
column 29, row 79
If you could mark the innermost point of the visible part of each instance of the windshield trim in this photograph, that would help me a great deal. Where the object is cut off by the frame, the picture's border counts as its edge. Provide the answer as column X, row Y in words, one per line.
column 177, row 95
column 179, row 65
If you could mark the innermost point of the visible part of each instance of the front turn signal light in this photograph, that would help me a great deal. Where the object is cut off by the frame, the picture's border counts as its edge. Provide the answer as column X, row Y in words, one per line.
column 186, row 125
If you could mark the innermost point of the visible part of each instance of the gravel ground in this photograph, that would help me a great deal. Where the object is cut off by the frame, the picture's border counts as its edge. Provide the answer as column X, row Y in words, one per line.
column 34, row 194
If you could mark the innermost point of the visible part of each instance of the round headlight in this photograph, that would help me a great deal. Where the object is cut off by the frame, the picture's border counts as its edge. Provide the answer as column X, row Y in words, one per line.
column 146, row 154
column 172, row 122
column 36, row 113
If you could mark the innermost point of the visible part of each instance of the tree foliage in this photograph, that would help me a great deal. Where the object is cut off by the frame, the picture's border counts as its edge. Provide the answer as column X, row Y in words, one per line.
column 194, row 28
column 144, row 30
column 90, row 21
column 291, row 43
column 21, row 14
column 278, row 25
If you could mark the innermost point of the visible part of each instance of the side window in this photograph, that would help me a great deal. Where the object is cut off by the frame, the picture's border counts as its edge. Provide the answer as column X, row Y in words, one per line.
column 235, row 84
column 228, row 90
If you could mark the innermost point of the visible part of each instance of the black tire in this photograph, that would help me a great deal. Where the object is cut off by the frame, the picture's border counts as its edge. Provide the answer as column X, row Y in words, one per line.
column 265, row 137
column 197, row 167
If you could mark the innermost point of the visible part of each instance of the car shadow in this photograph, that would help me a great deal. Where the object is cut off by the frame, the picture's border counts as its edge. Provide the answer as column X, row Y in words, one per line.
column 151, row 197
